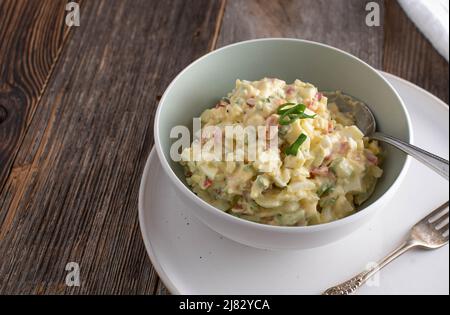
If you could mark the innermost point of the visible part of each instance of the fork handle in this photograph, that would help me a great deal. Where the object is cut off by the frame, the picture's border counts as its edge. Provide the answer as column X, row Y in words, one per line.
column 350, row 286
column 436, row 163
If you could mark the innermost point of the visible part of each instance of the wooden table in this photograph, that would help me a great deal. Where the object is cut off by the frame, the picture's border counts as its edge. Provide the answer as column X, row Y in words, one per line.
column 77, row 107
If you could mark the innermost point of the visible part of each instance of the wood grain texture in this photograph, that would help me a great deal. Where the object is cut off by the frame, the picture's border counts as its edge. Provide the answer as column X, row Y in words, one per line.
column 32, row 34
column 161, row 289
column 73, row 191
column 408, row 54
column 334, row 22
column 81, row 132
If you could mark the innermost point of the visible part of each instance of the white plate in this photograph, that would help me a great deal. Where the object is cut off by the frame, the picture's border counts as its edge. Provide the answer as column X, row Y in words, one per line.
column 192, row 259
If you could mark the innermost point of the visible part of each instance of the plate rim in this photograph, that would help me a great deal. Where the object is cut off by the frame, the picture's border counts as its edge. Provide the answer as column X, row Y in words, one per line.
column 163, row 276
column 415, row 86
column 147, row 243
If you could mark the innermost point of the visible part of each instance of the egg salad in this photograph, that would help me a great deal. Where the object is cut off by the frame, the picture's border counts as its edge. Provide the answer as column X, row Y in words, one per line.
column 321, row 169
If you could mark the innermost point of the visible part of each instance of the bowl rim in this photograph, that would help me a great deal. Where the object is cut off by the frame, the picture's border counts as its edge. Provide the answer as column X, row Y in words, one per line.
column 286, row 229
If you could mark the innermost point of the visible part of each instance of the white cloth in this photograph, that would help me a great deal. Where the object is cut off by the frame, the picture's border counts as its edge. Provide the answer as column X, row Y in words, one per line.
column 431, row 17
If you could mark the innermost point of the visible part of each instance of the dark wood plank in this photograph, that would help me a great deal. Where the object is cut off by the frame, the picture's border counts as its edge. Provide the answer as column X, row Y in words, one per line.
column 73, row 191
column 408, row 54
column 32, row 34
column 334, row 22
column 161, row 289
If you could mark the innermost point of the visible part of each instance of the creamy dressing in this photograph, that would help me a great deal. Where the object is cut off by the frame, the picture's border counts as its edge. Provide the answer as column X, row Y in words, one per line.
column 334, row 170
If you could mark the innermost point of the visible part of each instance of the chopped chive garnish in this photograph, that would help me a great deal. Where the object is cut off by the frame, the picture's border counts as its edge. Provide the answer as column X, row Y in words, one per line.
column 304, row 116
column 327, row 202
column 293, row 149
column 325, row 189
column 282, row 109
column 290, row 112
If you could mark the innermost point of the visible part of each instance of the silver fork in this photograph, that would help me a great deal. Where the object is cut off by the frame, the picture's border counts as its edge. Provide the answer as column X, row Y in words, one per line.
column 430, row 233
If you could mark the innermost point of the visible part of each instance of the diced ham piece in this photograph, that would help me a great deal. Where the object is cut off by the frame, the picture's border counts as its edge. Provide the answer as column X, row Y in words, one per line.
column 327, row 160
column 330, row 127
column 251, row 102
column 280, row 101
column 319, row 96
column 238, row 208
column 290, row 90
column 207, row 183
column 312, row 105
column 272, row 120
column 320, row 171
column 357, row 157
column 221, row 104
column 371, row 158
column 343, row 148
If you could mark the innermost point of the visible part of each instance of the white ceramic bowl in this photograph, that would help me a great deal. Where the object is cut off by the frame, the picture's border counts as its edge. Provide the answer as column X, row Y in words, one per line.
column 209, row 78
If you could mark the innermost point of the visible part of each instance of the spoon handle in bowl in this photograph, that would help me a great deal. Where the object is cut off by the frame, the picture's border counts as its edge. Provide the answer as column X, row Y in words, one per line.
column 436, row 163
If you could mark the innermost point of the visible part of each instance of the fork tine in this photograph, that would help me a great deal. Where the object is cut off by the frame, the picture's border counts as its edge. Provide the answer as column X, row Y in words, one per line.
column 436, row 212
column 444, row 228
column 446, row 238
column 439, row 223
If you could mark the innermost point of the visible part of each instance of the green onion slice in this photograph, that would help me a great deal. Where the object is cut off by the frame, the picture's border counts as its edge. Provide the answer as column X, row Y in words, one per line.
column 325, row 189
column 293, row 149
column 290, row 112
column 285, row 107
